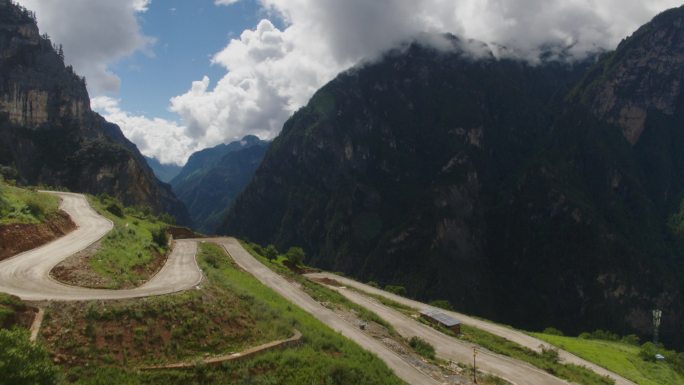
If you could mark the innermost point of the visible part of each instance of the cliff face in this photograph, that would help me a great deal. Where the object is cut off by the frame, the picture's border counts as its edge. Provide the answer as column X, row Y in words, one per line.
column 536, row 196
column 49, row 134
column 213, row 177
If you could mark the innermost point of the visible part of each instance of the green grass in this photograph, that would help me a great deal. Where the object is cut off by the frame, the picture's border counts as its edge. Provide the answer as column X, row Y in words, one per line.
column 126, row 252
column 546, row 361
column 24, row 206
column 617, row 357
column 320, row 293
column 323, row 357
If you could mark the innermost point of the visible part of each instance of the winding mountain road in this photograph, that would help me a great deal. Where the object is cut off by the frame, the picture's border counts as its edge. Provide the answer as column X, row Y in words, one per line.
column 499, row 330
column 27, row 275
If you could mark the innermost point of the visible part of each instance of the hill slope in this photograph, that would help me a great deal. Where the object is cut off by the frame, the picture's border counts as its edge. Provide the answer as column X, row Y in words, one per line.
column 479, row 181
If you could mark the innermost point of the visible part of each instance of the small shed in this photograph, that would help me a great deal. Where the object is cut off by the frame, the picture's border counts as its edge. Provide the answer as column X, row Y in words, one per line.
column 437, row 317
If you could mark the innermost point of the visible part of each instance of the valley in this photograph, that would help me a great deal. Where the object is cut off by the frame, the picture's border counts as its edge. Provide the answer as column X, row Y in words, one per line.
column 447, row 193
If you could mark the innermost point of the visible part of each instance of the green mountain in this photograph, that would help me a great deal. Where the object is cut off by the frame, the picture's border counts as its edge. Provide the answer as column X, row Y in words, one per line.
column 213, row 177
column 48, row 133
column 536, row 195
column 163, row 172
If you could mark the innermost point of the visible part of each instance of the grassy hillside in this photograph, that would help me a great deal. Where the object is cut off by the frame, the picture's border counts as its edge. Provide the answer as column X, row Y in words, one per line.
column 133, row 251
column 18, row 205
column 106, row 342
column 618, row 357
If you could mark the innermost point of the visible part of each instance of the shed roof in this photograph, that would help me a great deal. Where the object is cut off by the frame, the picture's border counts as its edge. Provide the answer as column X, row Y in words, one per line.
column 440, row 317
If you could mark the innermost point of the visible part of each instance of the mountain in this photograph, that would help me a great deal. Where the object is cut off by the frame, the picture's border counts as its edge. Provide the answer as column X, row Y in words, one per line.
column 48, row 133
column 163, row 172
column 536, row 195
column 213, row 177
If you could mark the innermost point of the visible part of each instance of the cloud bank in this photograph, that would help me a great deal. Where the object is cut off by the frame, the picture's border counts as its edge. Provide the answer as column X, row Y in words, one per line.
column 271, row 72
column 94, row 33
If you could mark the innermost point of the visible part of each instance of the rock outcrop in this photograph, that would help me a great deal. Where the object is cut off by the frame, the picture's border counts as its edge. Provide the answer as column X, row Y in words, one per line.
column 50, row 136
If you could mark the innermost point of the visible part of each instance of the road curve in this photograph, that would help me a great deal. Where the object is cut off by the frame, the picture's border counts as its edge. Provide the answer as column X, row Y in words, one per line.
column 499, row 330
column 450, row 348
column 295, row 295
column 27, row 275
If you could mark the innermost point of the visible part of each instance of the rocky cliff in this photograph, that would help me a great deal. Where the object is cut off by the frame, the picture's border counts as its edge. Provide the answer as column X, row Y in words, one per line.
column 48, row 133
column 534, row 195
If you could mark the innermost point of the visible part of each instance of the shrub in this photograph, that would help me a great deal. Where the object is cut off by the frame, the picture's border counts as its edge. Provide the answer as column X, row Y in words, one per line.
column 553, row 331
column 442, row 303
column 116, row 209
column 422, row 347
column 395, row 289
column 550, row 354
column 600, row 335
column 648, row 351
column 159, row 237
column 23, row 362
column 295, row 255
column 271, row 252
column 631, row 339
column 373, row 284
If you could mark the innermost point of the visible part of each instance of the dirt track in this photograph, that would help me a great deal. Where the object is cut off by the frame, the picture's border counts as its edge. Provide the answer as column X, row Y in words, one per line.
column 27, row 275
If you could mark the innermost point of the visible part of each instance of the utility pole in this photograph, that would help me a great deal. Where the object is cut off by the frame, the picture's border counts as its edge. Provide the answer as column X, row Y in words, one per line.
column 474, row 364
column 657, row 315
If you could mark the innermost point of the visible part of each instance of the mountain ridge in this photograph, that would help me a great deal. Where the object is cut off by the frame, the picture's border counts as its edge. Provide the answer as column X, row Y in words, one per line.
column 515, row 191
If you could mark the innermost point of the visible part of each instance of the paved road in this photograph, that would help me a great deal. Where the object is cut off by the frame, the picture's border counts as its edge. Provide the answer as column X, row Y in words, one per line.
column 295, row 295
column 27, row 275
column 453, row 349
column 502, row 331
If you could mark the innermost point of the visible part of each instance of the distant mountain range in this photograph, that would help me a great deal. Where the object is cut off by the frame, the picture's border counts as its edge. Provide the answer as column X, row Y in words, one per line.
column 213, row 177
column 164, row 172
column 50, row 136
column 537, row 195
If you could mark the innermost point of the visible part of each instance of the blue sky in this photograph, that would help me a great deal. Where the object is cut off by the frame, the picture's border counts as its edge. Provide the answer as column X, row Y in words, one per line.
column 188, row 34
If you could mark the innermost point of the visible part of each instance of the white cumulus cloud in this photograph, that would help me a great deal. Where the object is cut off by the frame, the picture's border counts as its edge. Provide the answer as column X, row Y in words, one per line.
column 158, row 138
column 94, row 33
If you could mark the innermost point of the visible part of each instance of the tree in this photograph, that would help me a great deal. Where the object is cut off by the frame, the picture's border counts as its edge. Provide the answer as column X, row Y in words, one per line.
column 271, row 252
column 23, row 362
column 395, row 289
column 295, row 255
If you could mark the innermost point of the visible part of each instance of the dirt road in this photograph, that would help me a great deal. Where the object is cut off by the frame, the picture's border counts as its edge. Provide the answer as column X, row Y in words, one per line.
column 502, row 331
column 27, row 275
column 295, row 295
column 450, row 348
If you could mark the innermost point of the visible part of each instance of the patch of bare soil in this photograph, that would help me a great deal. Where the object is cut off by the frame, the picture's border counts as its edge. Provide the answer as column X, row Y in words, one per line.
column 17, row 238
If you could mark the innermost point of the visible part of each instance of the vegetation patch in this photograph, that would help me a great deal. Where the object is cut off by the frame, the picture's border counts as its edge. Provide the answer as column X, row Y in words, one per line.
column 622, row 358
column 257, row 313
column 127, row 256
column 329, row 298
column 14, row 312
column 24, row 206
column 422, row 347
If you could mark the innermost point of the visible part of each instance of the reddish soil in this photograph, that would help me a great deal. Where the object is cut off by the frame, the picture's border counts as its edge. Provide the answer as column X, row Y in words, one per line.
column 18, row 238
column 299, row 269
column 183, row 233
column 328, row 281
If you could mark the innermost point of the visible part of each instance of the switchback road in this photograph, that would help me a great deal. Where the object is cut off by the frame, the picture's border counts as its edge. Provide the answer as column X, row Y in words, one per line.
column 27, row 275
